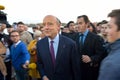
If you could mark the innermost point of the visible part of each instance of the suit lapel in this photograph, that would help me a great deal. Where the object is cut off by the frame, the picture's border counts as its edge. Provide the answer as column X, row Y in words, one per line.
column 47, row 50
column 77, row 39
column 87, row 39
column 61, row 47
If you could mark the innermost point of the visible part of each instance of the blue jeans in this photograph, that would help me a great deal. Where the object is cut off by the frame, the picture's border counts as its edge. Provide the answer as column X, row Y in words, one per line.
column 1, row 76
column 21, row 74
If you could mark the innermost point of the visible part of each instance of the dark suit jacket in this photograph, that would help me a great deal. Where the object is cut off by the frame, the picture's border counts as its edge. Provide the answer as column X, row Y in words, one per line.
column 93, row 47
column 67, row 60
column 71, row 35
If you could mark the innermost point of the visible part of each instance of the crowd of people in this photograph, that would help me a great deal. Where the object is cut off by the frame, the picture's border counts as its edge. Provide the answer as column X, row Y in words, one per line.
column 80, row 50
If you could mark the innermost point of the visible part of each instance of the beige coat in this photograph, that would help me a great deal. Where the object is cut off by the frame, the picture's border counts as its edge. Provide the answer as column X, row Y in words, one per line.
column 2, row 65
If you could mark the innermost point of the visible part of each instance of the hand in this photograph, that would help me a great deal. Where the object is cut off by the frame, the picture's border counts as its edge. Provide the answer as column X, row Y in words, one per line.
column 45, row 78
column 25, row 65
column 86, row 59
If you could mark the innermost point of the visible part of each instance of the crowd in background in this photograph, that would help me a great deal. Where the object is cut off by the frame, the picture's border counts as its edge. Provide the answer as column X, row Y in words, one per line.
column 87, row 50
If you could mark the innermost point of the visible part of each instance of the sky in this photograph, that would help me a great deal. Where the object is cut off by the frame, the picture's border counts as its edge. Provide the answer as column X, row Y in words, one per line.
column 33, row 11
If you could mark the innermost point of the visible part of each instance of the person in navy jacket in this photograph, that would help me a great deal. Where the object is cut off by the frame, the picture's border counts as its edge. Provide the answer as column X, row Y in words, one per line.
column 65, row 65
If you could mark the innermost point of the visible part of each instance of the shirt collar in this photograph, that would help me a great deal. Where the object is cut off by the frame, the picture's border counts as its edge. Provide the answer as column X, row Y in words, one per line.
column 85, row 33
column 17, row 43
column 56, row 39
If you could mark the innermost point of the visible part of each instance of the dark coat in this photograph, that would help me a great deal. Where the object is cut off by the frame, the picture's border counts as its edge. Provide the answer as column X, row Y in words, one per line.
column 93, row 47
column 67, row 60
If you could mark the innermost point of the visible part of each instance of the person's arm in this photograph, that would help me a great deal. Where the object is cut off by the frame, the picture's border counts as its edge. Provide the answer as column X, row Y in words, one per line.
column 40, row 65
column 26, row 56
column 75, row 63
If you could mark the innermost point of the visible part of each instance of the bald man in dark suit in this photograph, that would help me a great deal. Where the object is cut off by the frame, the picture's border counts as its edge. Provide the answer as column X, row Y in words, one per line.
column 64, row 64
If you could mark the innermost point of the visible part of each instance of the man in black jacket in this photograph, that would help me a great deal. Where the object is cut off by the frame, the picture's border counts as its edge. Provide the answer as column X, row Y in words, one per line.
column 90, row 48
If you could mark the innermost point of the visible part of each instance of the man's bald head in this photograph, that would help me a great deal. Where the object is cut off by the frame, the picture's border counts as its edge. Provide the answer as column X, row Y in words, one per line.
column 54, row 18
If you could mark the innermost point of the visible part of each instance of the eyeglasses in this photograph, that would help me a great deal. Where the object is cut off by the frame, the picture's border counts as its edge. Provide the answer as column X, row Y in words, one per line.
column 14, row 35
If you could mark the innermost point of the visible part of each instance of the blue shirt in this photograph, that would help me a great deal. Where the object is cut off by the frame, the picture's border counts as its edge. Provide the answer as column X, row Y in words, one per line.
column 55, row 44
column 84, row 35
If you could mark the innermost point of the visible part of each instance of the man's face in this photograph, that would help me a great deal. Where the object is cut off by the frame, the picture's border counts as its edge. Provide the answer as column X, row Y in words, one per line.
column 82, row 26
column 103, row 29
column 10, row 29
column 21, row 27
column 15, row 37
column 112, row 33
column 51, row 26
column 71, row 26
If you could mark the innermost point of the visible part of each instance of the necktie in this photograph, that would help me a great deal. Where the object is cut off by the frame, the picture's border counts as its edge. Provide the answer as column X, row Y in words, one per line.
column 52, row 52
column 81, row 41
